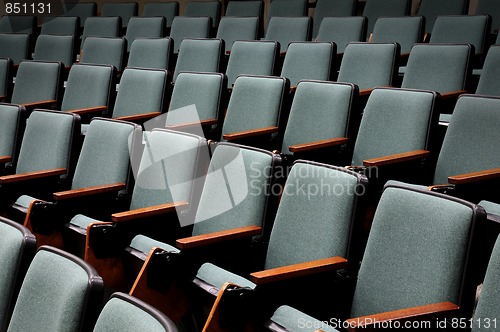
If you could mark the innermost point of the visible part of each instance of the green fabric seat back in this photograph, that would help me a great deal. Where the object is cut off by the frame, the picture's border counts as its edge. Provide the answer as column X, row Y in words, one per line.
column 342, row 31
column 251, row 58
column 211, row 9
column 406, row 31
column 433, row 233
column 104, row 51
column 438, row 67
column 101, row 27
column 18, row 24
column 150, row 53
column 320, row 110
column 321, row 212
column 200, row 55
column 36, row 81
column 10, row 122
column 391, row 8
column 312, row 61
column 168, row 9
column 189, row 27
column 470, row 143
column 288, row 8
column 105, row 157
column 6, row 71
column 369, row 65
column 245, row 9
column 14, row 46
column 387, row 128
column 125, row 10
column 285, row 30
column 462, row 29
column 87, row 86
column 489, row 84
column 60, row 25
column 327, row 8
column 492, row 8
column 83, row 10
column 431, row 9
column 144, row 27
column 255, row 102
column 54, row 48
column 232, row 29
column 56, row 293
column 234, row 194
column 141, row 91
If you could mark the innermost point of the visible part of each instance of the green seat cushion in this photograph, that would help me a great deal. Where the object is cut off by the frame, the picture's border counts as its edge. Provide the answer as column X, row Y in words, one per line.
column 491, row 207
column 217, row 276
column 296, row 321
column 25, row 201
column 82, row 221
column 145, row 244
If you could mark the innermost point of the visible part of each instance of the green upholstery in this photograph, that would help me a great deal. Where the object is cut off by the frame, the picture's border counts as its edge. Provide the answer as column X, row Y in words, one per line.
column 189, row 27
column 60, row 25
column 79, row 220
column 292, row 8
column 37, row 81
column 201, row 55
column 438, row 67
column 80, row 9
column 489, row 84
column 406, row 31
column 471, row 138
column 125, row 10
column 245, row 8
column 57, row 294
column 328, row 8
column 388, row 128
column 150, row 53
column 308, row 60
column 342, row 31
column 54, row 48
column 211, row 9
column 101, row 27
column 491, row 207
column 124, row 313
column 462, row 29
column 369, row 65
column 492, row 8
column 379, row 8
column 295, row 321
column 14, row 46
column 144, row 27
column 251, row 58
column 168, row 9
column 285, row 30
column 10, row 125
column 104, row 51
column 144, row 244
column 431, row 9
column 216, row 277
column 18, row 24
column 141, row 91
column 87, row 86
column 6, row 71
column 320, row 110
column 232, row 29
column 255, row 102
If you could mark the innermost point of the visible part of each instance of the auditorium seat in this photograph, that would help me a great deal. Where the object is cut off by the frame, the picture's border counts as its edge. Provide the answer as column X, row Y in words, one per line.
column 152, row 53
column 168, row 9
column 144, row 27
column 431, row 9
column 327, row 8
column 286, row 8
column 19, row 24
column 61, row 25
column 384, row 8
column 189, row 27
column 6, row 73
column 12, row 124
column 232, row 29
column 104, row 51
column 101, row 27
column 492, row 8
column 124, row 10
column 211, row 9
column 15, row 46
column 55, row 48
column 489, row 80
column 285, row 30
column 201, row 55
column 82, row 10
column 246, row 8
column 342, row 31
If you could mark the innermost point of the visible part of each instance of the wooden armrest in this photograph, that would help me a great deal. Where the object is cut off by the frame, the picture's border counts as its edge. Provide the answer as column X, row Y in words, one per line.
column 41, row 103
column 250, row 133
column 139, row 117
column 5, row 159
column 148, row 211
column 3, row 98
column 396, row 158
column 365, row 92
column 282, row 54
column 215, row 237
column 207, row 122
column 89, row 110
column 408, row 314
column 488, row 174
column 32, row 175
column 82, row 192
column 317, row 144
column 452, row 94
column 298, row 270
column 293, row 88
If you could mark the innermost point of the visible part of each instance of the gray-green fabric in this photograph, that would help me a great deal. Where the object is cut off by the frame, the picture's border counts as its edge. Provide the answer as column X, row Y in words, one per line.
column 144, row 244
column 141, row 91
column 9, row 122
column 431, row 9
column 150, row 53
column 378, row 8
column 234, row 194
column 122, row 316
column 52, row 297
column 438, row 67
column 232, row 29
column 489, row 84
column 245, row 8
column 60, row 26
column 320, row 110
column 461, row 29
column 296, row 321
column 25, row 201
column 101, row 27
column 125, row 10
column 104, row 158
column 406, row 31
column 415, row 254
column 18, row 24
column 14, row 46
column 308, row 61
column 46, row 142
column 81, row 9
column 368, row 65
column 342, row 31
column 251, row 58
column 394, row 121
column 211, row 9
column 296, row 8
column 285, row 30
column 5, row 79
column 54, row 48
column 217, row 277
column 104, row 51
column 203, row 90
column 492, row 8
column 166, row 9
column 323, row 211
column 201, row 55
column 87, row 86
column 36, row 81
column 144, row 27
column 82, row 221
column 188, row 27
column 488, row 308
column 471, row 140
column 328, row 8
column 491, row 207
column 255, row 103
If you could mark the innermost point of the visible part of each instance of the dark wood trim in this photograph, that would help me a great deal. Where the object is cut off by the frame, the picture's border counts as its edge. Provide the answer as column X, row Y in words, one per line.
column 138, row 117
column 397, row 158
column 217, row 237
column 484, row 175
column 5, row 159
column 250, row 133
column 41, row 103
column 32, row 175
column 297, row 148
column 365, row 92
column 212, row 323
column 94, row 109
column 149, row 211
column 82, row 192
column 207, row 122
column 452, row 94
